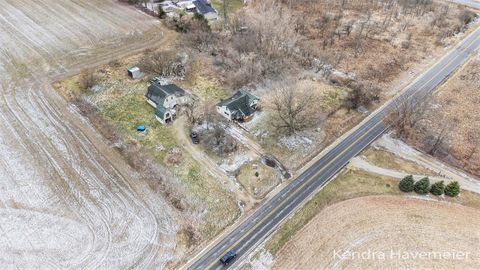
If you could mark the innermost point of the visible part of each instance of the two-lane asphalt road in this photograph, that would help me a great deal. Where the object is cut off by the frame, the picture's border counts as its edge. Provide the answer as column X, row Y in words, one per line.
column 268, row 217
column 468, row 3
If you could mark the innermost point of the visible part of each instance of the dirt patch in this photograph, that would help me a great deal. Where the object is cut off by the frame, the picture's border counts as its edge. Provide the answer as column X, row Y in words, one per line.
column 383, row 224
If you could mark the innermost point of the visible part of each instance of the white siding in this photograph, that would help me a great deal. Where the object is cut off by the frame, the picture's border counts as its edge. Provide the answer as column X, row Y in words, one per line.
column 224, row 111
column 151, row 103
column 170, row 101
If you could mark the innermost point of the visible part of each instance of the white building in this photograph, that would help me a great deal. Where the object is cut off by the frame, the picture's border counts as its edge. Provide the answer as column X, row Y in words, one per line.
column 165, row 99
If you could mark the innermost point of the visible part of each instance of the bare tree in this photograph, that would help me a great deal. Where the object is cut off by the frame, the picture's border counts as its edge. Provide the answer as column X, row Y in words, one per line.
column 192, row 111
column 405, row 116
column 294, row 108
column 361, row 94
column 88, row 79
column 441, row 135
column 165, row 63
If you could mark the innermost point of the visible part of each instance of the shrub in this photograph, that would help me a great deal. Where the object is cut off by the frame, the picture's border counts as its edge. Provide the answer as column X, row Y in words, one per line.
column 452, row 189
column 406, row 184
column 161, row 13
column 422, row 186
column 257, row 174
column 437, row 188
column 88, row 79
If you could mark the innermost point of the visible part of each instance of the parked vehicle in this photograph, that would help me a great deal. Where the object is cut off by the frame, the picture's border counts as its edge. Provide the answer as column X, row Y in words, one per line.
column 194, row 137
column 227, row 258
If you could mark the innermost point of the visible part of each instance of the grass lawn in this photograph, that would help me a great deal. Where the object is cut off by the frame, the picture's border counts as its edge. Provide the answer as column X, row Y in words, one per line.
column 121, row 101
column 258, row 184
column 232, row 6
column 131, row 110
column 390, row 161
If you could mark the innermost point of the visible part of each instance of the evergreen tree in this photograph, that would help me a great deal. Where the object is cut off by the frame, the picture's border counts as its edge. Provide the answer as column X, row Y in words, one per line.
column 452, row 189
column 422, row 186
column 406, row 184
column 438, row 188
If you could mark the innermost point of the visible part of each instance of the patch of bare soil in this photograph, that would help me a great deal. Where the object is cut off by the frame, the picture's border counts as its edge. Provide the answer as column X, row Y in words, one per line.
column 455, row 138
column 67, row 200
column 386, row 232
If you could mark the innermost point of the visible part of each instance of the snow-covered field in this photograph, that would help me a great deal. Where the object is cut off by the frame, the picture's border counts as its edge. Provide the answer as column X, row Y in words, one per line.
column 67, row 200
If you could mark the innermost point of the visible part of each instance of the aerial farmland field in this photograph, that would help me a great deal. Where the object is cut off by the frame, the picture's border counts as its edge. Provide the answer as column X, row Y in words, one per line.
column 67, row 200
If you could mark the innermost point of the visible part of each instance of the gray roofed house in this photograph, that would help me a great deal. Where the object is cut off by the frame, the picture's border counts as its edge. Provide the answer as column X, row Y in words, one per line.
column 165, row 98
column 164, row 115
column 206, row 9
column 239, row 107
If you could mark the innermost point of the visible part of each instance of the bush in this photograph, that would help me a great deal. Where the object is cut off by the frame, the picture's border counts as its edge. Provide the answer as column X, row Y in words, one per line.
column 452, row 189
column 438, row 188
column 88, row 79
column 257, row 174
column 406, row 184
column 422, row 186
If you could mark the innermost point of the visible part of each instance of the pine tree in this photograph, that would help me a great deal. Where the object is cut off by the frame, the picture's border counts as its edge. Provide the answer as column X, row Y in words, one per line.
column 406, row 184
column 438, row 188
column 452, row 189
column 422, row 186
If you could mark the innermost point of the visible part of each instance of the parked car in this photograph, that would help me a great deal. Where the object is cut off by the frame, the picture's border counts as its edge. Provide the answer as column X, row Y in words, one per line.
column 227, row 258
column 194, row 137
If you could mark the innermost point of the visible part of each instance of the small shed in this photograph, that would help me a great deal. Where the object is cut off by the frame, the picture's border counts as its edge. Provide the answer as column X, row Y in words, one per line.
column 135, row 73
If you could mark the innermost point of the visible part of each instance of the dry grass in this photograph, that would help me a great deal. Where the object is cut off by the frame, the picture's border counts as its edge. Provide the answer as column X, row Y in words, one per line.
column 382, row 224
column 455, row 106
column 388, row 44
column 121, row 102
column 390, row 161
column 202, row 81
column 348, row 184
column 260, row 185
column 296, row 154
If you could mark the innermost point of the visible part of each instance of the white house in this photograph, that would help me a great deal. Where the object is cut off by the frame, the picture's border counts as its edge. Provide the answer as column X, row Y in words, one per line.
column 165, row 99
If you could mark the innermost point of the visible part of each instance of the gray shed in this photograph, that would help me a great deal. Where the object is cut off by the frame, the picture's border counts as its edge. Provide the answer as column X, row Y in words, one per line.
column 135, row 73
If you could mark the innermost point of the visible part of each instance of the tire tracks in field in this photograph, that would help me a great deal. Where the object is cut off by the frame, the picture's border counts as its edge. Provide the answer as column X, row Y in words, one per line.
column 68, row 153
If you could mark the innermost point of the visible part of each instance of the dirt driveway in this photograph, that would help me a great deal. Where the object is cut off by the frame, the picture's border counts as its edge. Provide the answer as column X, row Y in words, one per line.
column 66, row 199
column 209, row 164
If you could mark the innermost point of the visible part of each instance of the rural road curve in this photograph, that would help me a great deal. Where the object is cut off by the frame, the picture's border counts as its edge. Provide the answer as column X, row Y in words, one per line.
column 268, row 217
column 469, row 3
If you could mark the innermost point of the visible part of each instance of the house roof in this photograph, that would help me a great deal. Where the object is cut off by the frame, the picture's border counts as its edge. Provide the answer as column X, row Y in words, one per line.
column 160, row 112
column 157, row 92
column 240, row 104
column 203, row 6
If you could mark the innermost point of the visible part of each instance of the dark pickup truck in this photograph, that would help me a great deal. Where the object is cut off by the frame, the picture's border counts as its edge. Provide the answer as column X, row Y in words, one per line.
column 227, row 258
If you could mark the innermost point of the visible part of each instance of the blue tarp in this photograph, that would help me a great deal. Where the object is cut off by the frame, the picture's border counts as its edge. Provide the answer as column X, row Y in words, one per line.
column 141, row 128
